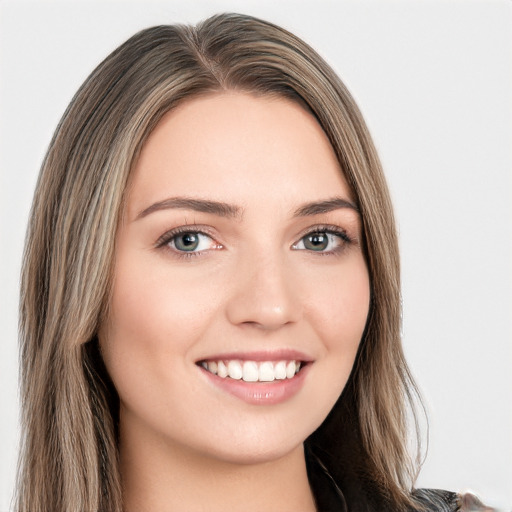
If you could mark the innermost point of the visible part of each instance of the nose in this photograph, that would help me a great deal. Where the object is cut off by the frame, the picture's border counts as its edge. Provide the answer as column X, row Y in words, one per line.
column 265, row 294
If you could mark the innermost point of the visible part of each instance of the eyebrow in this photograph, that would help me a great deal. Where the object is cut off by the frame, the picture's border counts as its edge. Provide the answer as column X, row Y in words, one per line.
column 198, row 205
column 232, row 211
column 329, row 205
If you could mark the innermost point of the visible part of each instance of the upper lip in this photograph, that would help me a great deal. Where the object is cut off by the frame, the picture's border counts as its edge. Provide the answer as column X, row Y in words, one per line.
column 284, row 354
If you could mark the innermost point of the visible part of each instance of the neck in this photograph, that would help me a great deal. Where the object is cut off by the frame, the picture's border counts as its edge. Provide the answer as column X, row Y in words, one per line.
column 159, row 476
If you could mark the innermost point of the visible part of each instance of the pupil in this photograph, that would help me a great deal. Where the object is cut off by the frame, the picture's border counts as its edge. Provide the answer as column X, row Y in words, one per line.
column 317, row 242
column 187, row 241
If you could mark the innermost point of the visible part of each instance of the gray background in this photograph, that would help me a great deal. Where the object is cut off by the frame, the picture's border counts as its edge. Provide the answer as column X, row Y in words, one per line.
column 434, row 81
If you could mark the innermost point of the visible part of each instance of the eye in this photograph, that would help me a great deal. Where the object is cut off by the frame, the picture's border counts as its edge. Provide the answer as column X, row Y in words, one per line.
column 323, row 241
column 190, row 242
column 187, row 241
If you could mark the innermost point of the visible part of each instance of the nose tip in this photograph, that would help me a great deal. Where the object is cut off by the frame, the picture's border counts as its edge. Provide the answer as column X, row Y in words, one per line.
column 265, row 298
column 267, row 317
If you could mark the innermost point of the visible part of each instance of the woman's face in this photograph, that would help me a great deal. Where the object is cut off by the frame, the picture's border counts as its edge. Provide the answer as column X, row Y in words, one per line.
column 240, row 254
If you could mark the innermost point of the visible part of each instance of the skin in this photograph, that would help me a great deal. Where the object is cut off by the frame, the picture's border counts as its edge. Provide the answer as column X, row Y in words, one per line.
column 252, row 285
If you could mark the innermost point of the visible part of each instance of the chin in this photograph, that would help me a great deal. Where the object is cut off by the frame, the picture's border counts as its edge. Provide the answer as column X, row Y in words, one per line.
column 260, row 454
column 257, row 445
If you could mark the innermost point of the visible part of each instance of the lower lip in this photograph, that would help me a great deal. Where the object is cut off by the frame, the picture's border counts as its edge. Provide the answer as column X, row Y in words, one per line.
column 261, row 393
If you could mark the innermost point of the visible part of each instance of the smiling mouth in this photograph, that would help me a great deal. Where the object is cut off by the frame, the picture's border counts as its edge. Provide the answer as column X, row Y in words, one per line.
column 253, row 371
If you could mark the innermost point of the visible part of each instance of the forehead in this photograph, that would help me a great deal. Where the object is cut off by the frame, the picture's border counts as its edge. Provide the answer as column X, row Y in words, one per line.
column 238, row 147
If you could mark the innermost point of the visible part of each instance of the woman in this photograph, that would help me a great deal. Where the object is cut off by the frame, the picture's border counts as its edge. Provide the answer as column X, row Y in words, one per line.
column 211, row 295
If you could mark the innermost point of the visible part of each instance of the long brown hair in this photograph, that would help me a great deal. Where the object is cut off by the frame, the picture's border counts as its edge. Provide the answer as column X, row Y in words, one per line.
column 69, row 456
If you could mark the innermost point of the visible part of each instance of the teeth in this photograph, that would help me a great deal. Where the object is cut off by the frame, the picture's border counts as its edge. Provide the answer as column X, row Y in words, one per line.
column 266, row 372
column 252, row 371
column 290, row 369
column 235, row 370
column 222, row 371
column 280, row 370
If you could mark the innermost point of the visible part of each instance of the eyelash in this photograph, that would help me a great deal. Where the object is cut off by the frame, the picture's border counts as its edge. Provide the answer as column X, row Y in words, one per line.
column 345, row 239
column 164, row 241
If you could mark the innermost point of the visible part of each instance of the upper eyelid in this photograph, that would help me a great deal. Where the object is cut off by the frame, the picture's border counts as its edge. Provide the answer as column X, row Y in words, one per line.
column 324, row 228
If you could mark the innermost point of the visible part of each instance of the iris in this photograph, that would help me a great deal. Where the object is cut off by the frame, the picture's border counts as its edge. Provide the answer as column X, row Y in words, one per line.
column 316, row 241
column 187, row 241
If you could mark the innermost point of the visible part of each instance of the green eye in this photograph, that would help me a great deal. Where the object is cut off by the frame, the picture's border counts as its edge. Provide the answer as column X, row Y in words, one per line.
column 328, row 241
column 190, row 242
column 186, row 241
column 316, row 241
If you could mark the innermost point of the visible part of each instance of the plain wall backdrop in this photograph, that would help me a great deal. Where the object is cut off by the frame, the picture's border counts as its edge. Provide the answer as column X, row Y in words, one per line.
column 434, row 82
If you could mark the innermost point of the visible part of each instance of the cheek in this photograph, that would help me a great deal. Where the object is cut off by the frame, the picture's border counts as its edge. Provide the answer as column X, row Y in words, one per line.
column 152, row 322
column 340, row 307
column 339, row 316
column 156, row 319
column 157, row 308
column 158, row 316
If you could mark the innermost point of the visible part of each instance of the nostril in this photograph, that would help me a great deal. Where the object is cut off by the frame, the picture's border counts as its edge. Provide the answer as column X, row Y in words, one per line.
column 252, row 313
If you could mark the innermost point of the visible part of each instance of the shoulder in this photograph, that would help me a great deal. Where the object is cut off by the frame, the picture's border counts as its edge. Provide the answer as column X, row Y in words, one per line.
column 436, row 500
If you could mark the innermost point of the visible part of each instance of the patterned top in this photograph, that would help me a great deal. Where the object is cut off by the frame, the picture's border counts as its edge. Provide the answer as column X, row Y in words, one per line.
column 444, row 501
